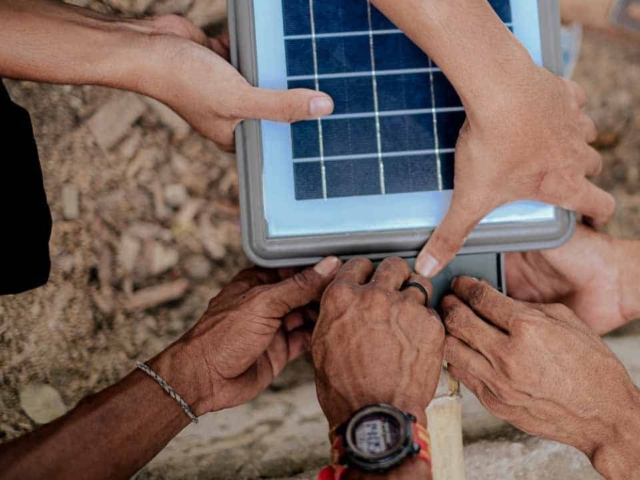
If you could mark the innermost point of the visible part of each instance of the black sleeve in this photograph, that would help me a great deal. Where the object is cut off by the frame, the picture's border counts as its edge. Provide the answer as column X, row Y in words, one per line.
column 25, row 219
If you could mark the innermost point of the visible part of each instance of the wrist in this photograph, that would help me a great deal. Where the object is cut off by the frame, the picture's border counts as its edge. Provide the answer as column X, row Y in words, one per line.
column 410, row 469
column 176, row 366
column 619, row 453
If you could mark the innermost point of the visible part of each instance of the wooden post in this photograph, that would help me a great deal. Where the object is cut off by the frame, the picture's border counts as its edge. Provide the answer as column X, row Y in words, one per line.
column 445, row 428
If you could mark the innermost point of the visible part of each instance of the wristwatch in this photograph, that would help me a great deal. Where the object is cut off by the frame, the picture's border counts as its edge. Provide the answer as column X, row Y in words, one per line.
column 378, row 438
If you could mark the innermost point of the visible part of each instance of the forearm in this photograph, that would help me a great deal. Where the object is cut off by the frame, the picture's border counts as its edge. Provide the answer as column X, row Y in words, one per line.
column 467, row 40
column 618, row 456
column 110, row 435
column 628, row 259
column 48, row 41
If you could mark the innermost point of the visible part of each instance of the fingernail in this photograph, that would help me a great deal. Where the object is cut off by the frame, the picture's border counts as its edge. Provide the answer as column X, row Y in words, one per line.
column 321, row 106
column 455, row 280
column 427, row 265
column 327, row 266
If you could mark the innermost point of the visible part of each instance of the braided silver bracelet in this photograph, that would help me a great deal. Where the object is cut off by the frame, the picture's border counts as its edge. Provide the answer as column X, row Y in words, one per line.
column 172, row 393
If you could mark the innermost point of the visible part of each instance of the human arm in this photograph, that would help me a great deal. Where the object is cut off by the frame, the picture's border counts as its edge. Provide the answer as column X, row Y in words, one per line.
column 375, row 344
column 525, row 137
column 595, row 275
column 248, row 334
column 166, row 57
column 545, row 371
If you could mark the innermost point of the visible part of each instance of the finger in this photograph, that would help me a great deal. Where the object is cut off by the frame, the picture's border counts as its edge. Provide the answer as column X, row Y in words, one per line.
column 301, row 289
column 248, row 279
column 299, row 343
column 593, row 162
column 485, row 395
column 579, row 93
column 486, row 301
column 448, row 238
column 283, row 106
column 294, row 320
column 301, row 317
column 461, row 356
column 465, row 325
column 391, row 273
column 414, row 294
column 469, row 381
column 594, row 203
column 589, row 128
column 357, row 270
column 219, row 47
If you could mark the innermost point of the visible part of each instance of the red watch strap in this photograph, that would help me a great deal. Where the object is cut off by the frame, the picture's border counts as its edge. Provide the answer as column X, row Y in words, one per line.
column 422, row 438
column 334, row 472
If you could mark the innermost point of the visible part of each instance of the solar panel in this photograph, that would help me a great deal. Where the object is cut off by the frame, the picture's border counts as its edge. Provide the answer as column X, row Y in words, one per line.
column 376, row 176
column 396, row 118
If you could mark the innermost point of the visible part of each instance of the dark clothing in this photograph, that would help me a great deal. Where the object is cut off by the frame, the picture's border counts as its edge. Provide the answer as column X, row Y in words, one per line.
column 25, row 219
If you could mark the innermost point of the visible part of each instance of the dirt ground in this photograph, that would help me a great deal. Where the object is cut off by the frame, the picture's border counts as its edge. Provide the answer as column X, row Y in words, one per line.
column 157, row 205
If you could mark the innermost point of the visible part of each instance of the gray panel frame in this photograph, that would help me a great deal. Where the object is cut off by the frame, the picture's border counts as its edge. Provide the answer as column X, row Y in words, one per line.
column 306, row 250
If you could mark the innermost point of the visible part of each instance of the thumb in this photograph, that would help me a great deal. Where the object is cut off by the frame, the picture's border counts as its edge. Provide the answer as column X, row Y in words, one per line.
column 301, row 289
column 284, row 106
column 448, row 238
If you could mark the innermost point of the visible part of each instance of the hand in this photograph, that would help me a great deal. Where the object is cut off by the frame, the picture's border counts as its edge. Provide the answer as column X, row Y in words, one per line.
column 249, row 333
column 192, row 75
column 542, row 369
column 529, row 142
column 587, row 274
column 376, row 344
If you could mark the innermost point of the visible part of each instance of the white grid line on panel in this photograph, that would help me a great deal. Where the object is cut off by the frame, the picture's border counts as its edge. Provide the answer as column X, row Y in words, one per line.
column 329, row 76
column 393, row 31
column 375, row 100
column 323, row 170
column 394, row 113
column 436, row 140
column 364, row 156
column 343, row 34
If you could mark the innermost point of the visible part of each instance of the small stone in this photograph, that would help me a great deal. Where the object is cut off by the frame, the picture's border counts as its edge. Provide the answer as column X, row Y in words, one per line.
column 133, row 6
column 41, row 402
column 162, row 212
column 113, row 121
column 208, row 12
column 163, row 7
column 66, row 263
column 154, row 296
column 144, row 160
column 128, row 252
column 70, row 202
column 175, row 195
column 162, row 259
column 130, row 145
column 197, row 267
column 184, row 220
column 170, row 119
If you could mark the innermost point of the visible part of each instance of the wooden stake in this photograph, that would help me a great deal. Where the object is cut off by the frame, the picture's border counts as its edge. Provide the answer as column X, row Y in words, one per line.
column 445, row 428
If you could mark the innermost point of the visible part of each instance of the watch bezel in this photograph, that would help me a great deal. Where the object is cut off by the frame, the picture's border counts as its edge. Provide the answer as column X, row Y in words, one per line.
column 384, row 462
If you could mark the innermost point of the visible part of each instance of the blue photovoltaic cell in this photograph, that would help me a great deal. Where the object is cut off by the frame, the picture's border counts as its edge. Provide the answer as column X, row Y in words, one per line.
column 397, row 117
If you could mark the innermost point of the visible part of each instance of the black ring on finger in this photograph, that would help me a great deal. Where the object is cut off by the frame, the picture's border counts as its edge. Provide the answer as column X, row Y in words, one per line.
column 406, row 285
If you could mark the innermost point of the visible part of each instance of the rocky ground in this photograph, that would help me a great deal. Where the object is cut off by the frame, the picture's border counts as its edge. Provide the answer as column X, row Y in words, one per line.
column 146, row 231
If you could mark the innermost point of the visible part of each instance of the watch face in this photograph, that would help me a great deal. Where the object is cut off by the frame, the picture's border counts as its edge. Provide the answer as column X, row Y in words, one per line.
column 376, row 434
